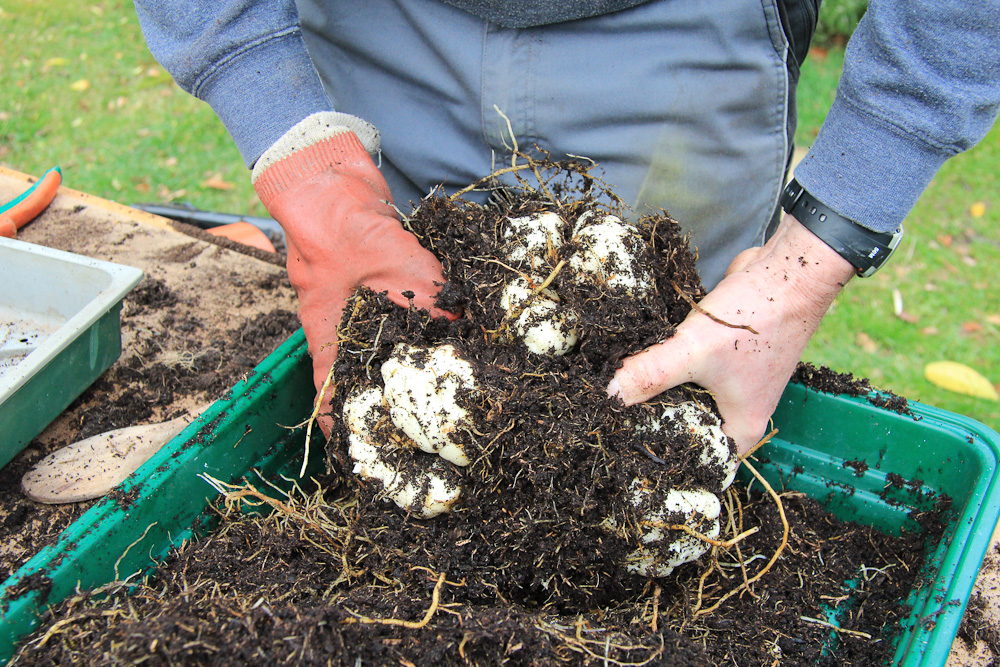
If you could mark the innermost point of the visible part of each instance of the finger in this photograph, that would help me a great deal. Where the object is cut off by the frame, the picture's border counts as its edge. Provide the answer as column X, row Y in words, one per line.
column 320, row 314
column 655, row 369
column 323, row 357
column 415, row 275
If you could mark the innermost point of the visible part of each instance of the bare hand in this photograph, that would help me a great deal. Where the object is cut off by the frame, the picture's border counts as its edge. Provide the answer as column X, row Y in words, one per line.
column 777, row 296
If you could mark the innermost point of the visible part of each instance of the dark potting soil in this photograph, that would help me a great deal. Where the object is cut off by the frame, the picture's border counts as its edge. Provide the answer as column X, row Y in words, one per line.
column 301, row 590
column 530, row 567
column 831, row 382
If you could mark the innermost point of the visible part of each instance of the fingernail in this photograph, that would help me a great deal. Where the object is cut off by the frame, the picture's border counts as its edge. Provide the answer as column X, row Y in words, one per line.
column 614, row 389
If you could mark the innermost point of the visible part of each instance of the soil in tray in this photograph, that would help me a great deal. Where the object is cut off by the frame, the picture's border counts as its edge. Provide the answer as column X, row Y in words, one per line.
column 187, row 360
column 533, row 564
column 278, row 591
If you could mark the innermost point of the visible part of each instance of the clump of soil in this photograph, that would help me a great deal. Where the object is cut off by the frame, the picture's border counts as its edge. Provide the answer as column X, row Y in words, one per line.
column 831, row 382
column 530, row 567
column 546, row 517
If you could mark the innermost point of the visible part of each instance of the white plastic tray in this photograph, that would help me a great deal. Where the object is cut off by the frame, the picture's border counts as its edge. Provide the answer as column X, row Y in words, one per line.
column 48, row 300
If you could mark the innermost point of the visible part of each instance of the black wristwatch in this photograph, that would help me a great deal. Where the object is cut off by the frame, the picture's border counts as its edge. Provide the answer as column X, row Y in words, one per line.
column 866, row 250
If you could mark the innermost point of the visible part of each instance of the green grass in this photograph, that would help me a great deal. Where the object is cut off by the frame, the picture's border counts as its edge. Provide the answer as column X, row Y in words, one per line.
column 133, row 136
column 945, row 272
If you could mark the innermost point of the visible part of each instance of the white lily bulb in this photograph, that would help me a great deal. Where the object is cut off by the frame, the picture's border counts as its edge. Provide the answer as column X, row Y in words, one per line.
column 698, row 509
column 705, row 431
column 531, row 237
column 609, row 254
column 542, row 324
column 422, row 389
column 424, row 492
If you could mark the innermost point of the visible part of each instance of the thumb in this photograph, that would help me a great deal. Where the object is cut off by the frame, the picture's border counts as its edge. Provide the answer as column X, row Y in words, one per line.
column 742, row 260
column 656, row 369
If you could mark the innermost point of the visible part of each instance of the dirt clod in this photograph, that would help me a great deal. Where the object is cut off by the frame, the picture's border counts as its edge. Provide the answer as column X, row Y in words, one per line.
column 532, row 565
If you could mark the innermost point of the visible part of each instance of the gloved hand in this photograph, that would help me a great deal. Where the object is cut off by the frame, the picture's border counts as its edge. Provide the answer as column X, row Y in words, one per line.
column 781, row 291
column 320, row 183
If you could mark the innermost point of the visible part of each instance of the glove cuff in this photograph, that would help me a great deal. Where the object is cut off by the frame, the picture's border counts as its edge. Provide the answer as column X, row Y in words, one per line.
column 311, row 146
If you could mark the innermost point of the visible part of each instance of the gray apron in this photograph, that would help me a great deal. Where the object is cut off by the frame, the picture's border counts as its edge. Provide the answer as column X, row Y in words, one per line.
column 684, row 105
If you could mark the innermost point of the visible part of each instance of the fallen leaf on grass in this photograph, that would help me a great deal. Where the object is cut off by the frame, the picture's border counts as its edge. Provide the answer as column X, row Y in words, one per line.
column 54, row 62
column 945, row 239
column 960, row 379
column 165, row 194
column 977, row 210
column 216, row 182
column 993, row 318
column 80, row 85
column 866, row 343
column 971, row 326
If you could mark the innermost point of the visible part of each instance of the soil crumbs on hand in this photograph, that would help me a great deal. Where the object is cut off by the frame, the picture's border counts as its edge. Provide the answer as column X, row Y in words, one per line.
column 531, row 567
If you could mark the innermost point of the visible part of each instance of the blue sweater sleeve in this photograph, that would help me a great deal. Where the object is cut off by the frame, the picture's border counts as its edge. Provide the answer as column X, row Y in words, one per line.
column 246, row 59
column 921, row 83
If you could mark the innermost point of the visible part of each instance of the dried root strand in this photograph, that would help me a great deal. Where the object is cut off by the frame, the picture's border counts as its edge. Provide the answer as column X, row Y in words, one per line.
column 694, row 304
column 835, row 628
column 552, row 276
column 781, row 547
column 579, row 644
column 234, row 497
column 733, row 498
column 656, row 607
column 412, row 625
column 486, row 179
column 312, row 420
column 724, row 544
column 763, row 441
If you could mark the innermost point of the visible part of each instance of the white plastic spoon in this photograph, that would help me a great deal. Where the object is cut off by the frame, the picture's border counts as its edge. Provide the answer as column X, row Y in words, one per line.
column 90, row 468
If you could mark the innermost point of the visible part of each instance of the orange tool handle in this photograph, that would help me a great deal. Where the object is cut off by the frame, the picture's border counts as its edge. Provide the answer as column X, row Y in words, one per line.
column 26, row 207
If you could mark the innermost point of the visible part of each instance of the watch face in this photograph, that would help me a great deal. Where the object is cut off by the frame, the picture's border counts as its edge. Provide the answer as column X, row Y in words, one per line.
column 880, row 253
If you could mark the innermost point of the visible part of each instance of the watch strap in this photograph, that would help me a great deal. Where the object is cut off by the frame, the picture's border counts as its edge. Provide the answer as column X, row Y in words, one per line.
column 865, row 249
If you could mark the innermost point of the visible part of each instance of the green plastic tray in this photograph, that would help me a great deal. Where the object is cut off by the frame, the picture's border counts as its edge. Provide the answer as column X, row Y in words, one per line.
column 60, row 329
column 953, row 456
column 248, row 430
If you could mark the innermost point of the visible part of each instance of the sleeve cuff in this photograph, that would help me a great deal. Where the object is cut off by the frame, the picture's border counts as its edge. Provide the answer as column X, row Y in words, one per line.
column 867, row 169
column 311, row 146
column 263, row 90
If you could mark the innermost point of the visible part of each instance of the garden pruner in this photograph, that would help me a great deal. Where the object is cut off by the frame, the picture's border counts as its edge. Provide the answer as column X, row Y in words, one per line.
column 24, row 208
